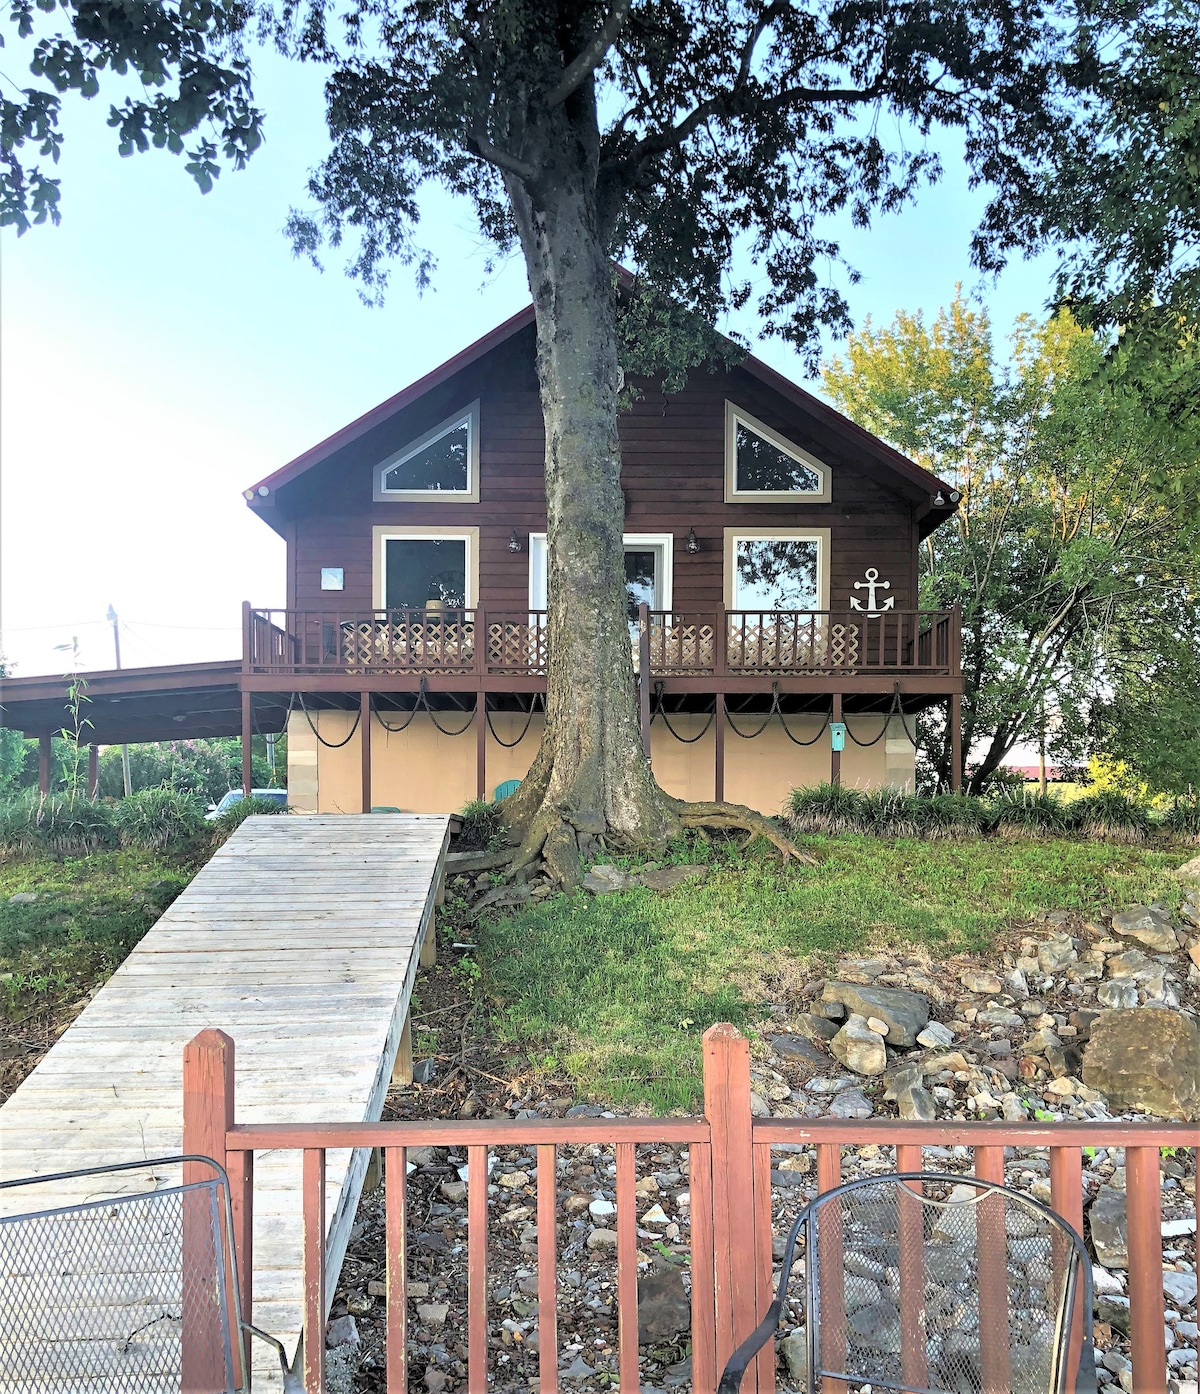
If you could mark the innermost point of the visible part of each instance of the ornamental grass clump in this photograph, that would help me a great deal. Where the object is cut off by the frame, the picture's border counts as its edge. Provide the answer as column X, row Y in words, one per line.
column 826, row 808
column 955, row 815
column 233, row 818
column 1182, row 820
column 1026, row 813
column 891, row 812
column 159, row 819
column 1112, row 817
column 72, row 825
column 18, row 823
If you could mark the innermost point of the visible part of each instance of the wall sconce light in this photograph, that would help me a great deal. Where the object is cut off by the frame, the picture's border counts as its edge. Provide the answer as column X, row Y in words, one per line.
column 514, row 542
column 692, row 544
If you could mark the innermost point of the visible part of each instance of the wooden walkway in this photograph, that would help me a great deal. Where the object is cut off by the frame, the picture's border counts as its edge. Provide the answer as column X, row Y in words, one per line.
column 301, row 939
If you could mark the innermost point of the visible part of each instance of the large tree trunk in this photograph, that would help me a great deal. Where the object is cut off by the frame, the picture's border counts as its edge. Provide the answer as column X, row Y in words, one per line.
column 590, row 779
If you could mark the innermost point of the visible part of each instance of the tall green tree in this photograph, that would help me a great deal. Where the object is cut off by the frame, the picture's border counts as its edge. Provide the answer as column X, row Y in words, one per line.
column 663, row 133
column 1062, row 545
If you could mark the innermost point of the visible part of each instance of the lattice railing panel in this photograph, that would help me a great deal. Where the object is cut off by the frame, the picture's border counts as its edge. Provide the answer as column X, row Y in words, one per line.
column 517, row 645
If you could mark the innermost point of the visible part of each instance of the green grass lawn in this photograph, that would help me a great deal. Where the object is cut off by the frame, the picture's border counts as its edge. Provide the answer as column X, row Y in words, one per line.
column 90, row 911
column 615, row 991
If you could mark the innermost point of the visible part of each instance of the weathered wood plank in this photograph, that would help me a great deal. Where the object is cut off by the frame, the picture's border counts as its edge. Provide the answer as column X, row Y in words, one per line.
column 300, row 939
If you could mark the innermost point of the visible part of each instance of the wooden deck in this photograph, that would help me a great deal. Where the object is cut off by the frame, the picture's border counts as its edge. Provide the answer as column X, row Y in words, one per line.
column 301, row 938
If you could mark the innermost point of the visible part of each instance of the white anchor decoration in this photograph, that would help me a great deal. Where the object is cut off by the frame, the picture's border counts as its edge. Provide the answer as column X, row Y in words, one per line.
column 871, row 585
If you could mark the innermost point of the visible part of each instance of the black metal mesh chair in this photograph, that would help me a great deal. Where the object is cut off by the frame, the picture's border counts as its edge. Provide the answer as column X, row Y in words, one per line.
column 133, row 1290
column 935, row 1284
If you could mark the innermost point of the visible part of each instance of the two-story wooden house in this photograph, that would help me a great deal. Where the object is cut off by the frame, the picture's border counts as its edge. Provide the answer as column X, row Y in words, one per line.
column 771, row 555
column 771, row 558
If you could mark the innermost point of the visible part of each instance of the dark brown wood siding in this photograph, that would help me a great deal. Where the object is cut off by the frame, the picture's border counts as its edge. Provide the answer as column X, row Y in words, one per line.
column 672, row 472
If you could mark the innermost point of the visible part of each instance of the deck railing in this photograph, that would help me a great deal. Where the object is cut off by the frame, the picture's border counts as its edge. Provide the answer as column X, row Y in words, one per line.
column 682, row 643
column 730, row 1209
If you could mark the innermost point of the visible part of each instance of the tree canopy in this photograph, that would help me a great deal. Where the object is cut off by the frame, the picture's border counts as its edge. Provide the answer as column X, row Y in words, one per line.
column 1075, row 573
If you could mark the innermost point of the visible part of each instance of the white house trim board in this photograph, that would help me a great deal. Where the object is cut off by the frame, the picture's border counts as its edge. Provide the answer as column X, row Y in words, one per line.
column 470, row 416
column 735, row 415
column 383, row 535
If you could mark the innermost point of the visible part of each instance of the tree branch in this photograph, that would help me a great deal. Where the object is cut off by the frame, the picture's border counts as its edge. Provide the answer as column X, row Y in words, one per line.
column 479, row 144
column 591, row 55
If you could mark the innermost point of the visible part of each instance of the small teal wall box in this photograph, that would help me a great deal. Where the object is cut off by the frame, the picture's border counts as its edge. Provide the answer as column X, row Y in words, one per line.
column 510, row 786
column 837, row 735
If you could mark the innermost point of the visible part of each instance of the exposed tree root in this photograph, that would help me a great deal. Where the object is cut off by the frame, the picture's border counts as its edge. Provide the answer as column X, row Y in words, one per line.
column 733, row 815
column 556, row 846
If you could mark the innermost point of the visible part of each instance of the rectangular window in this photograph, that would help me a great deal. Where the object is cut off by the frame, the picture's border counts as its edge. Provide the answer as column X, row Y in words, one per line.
column 426, row 568
column 782, row 569
column 764, row 467
column 441, row 466
column 648, row 567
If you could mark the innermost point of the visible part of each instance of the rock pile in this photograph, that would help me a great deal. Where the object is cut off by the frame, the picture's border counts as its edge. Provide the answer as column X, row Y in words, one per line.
column 1073, row 1019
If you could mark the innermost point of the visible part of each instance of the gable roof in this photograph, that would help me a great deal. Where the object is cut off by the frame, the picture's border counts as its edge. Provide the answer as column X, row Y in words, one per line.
column 886, row 455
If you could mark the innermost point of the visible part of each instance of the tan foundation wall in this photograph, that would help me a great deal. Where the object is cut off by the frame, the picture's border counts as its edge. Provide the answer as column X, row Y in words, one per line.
column 420, row 770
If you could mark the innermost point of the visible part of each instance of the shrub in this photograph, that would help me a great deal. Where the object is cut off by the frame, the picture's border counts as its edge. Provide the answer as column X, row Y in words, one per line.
column 1030, row 814
column 1182, row 820
column 69, row 825
column 1112, row 817
column 888, row 812
column 481, row 822
column 159, row 819
column 826, row 808
column 234, row 817
column 18, row 823
column 955, row 815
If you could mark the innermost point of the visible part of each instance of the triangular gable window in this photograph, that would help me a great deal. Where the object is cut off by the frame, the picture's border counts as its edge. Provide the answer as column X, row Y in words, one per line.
column 763, row 466
column 441, row 466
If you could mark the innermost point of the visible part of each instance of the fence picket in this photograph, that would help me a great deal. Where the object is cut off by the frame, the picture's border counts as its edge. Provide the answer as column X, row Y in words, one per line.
column 547, row 1262
column 1143, row 1197
column 992, row 1248
column 395, row 1169
column 314, row 1270
column 704, row 1330
column 627, row 1261
column 477, row 1238
column 1066, row 1196
column 914, row 1361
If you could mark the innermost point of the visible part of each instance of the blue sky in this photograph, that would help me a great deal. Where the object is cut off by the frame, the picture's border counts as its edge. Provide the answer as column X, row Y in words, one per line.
column 161, row 350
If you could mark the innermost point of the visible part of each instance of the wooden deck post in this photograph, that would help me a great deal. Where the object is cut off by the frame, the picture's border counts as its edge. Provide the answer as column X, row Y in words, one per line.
column 481, row 745
column 208, row 1080
column 93, row 784
column 44, row 764
column 835, row 756
column 247, row 761
column 727, row 1108
column 719, row 743
column 364, row 740
column 956, row 752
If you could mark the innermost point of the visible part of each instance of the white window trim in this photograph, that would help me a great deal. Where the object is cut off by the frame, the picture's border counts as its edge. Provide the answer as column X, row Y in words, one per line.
column 665, row 540
column 821, row 536
column 384, row 535
column 470, row 494
column 735, row 415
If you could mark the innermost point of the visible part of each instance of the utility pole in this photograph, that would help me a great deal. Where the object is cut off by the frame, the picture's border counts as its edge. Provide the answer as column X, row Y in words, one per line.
column 111, row 617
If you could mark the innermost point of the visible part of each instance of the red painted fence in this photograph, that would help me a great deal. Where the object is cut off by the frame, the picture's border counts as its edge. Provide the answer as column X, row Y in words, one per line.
column 730, row 1185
